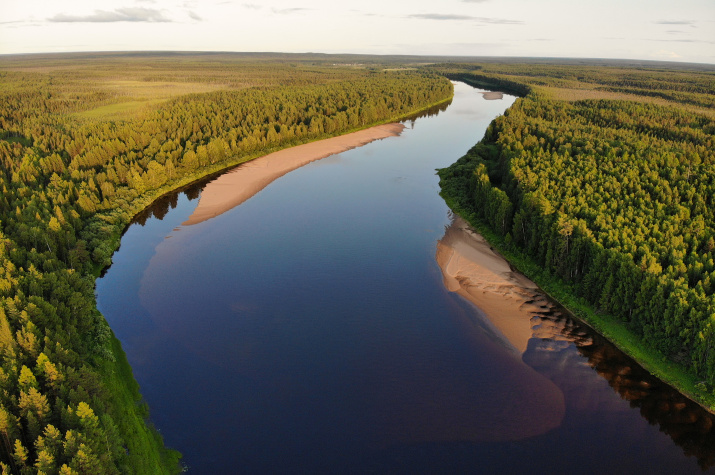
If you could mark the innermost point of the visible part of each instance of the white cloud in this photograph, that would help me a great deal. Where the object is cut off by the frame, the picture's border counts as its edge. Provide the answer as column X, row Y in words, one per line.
column 130, row 14
column 675, row 22
column 479, row 19
column 440, row 16
column 289, row 11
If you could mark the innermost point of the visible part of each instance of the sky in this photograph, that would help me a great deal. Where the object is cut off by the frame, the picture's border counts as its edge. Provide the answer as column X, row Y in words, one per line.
column 669, row 30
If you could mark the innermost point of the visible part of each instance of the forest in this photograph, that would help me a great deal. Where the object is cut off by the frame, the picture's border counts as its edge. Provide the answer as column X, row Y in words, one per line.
column 86, row 143
column 604, row 177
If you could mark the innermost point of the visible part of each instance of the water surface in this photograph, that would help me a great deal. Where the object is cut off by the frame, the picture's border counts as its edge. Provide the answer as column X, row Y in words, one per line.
column 308, row 330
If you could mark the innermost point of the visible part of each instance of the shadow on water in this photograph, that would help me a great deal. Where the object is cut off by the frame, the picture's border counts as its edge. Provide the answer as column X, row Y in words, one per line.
column 585, row 367
column 431, row 112
column 685, row 422
column 162, row 205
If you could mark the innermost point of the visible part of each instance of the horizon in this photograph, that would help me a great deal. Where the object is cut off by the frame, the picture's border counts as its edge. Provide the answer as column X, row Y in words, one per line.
column 630, row 30
column 446, row 58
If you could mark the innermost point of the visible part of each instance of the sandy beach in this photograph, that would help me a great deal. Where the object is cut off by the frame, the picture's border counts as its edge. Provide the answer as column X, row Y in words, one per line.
column 512, row 304
column 233, row 188
column 476, row 272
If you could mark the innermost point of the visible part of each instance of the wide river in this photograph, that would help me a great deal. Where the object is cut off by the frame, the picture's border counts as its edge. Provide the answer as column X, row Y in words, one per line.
column 309, row 330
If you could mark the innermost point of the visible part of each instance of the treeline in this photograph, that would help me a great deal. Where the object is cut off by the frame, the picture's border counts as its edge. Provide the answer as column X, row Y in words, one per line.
column 68, row 402
column 693, row 88
column 616, row 198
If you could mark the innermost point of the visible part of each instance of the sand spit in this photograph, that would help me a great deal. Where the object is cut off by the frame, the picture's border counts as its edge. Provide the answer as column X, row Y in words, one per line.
column 233, row 188
column 476, row 272
column 492, row 95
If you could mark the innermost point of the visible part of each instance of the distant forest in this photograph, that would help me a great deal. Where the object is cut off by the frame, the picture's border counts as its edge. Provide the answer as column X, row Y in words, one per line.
column 88, row 141
column 605, row 177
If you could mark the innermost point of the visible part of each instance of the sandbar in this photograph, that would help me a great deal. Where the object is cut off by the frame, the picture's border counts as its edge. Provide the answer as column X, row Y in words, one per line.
column 471, row 268
column 492, row 95
column 235, row 187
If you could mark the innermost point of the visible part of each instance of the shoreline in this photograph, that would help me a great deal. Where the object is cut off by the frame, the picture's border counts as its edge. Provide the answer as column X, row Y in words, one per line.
column 472, row 269
column 666, row 372
column 515, row 308
column 240, row 184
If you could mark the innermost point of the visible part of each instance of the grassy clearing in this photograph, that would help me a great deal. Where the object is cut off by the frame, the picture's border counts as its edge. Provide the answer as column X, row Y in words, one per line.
column 158, row 89
column 119, row 111
column 579, row 94
column 141, row 97
column 25, row 142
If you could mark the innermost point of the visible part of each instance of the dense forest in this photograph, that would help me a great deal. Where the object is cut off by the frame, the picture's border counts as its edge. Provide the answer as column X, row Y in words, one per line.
column 86, row 142
column 605, row 177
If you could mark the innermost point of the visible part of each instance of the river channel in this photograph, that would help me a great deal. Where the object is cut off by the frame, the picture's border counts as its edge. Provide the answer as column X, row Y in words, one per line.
column 309, row 330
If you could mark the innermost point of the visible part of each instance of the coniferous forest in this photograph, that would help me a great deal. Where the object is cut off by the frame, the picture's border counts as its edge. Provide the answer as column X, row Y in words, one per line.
column 86, row 142
column 605, row 178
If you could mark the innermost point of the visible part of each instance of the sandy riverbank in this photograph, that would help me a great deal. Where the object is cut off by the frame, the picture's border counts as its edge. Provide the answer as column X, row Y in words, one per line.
column 472, row 269
column 235, row 187
column 492, row 95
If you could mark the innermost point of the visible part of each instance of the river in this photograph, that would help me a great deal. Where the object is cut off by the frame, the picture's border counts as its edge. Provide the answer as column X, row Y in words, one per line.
column 309, row 330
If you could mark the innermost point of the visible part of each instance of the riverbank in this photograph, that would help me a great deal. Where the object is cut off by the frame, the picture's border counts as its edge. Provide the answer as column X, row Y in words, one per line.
column 609, row 327
column 472, row 269
column 233, row 188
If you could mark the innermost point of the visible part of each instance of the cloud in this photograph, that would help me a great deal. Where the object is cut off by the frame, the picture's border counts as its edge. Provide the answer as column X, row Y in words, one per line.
column 194, row 16
column 19, row 24
column 670, row 40
column 478, row 19
column 440, row 16
column 129, row 14
column 363, row 13
column 289, row 11
column 675, row 22
column 499, row 21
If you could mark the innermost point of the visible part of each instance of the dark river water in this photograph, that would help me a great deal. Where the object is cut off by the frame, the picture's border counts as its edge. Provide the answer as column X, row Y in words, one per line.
column 308, row 330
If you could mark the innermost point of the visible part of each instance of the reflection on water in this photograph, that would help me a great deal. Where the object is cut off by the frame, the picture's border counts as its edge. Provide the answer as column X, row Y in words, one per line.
column 161, row 206
column 563, row 349
column 431, row 112
column 556, row 334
